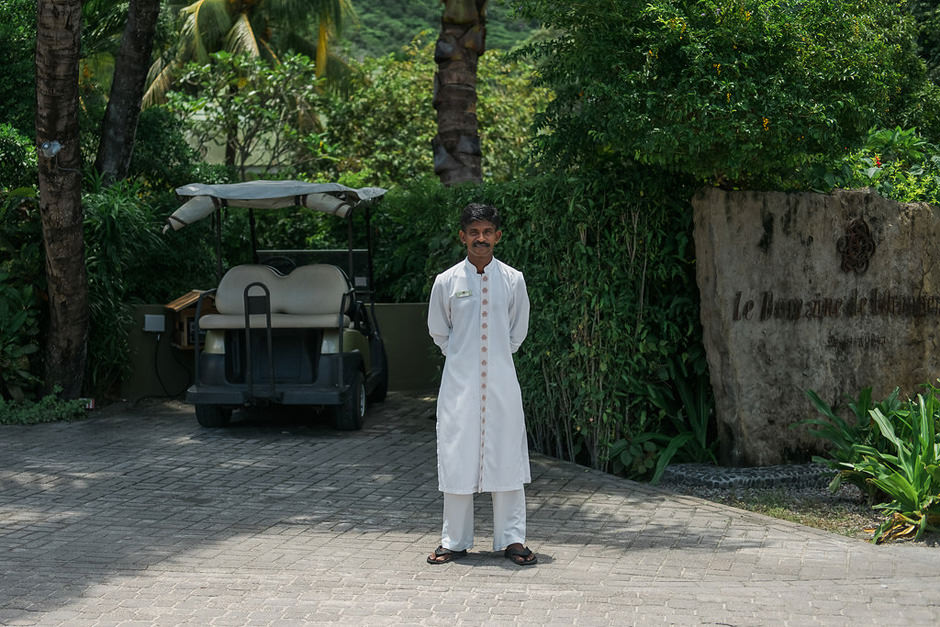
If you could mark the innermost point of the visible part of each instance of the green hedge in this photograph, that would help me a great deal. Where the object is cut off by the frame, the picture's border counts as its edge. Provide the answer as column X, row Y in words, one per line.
column 608, row 265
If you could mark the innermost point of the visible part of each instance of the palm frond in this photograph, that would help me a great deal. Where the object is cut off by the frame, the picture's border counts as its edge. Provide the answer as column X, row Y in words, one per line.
column 205, row 27
column 159, row 81
column 242, row 38
column 334, row 13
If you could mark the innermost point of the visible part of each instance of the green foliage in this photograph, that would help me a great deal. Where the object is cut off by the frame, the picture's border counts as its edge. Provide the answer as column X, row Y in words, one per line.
column 615, row 247
column 17, row 159
column 382, row 128
column 684, row 398
column 47, row 409
column 384, row 24
column 898, row 163
column 163, row 160
column 616, row 378
column 270, row 30
column 910, row 474
column 891, row 450
column 17, row 72
column 843, row 436
column 128, row 262
column 265, row 117
column 416, row 237
column 22, row 279
column 731, row 92
column 115, row 234
column 927, row 15
column 19, row 331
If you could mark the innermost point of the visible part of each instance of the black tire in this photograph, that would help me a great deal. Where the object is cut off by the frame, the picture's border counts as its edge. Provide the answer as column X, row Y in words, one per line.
column 213, row 416
column 378, row 393
column 351, row 412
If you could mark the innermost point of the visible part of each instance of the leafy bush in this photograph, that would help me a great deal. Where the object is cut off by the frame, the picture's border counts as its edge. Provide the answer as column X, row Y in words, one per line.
column 22, row 280
column 897, row 163
column 616, row 378
column 17, row 159
column 163, row 160
column 892, row 450
column 684, row 398
column 47, row 409
column 416, row 237
column 116, row 232
column 843, row 436
column 19, row 330
column 129, row 262
column 17, row 72
column 615, row 247
column 266, row 118
column 736, row 93
column 910, row 474
column 928, row 21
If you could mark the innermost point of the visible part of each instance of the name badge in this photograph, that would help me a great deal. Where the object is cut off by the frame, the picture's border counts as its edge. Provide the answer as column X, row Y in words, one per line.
column 462, row 294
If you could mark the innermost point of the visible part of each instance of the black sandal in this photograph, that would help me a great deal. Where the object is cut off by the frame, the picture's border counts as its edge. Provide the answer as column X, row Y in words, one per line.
column 521, row 557
column 446, row 555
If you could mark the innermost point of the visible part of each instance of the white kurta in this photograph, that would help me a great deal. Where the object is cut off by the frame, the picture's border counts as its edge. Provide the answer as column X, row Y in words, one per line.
column 479, row 321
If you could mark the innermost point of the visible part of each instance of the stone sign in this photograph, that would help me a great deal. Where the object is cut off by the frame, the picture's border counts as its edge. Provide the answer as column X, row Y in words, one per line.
column 833, row 293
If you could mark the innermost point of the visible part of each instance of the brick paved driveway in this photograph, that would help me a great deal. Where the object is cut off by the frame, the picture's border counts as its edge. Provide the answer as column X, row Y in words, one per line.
column 138, row 516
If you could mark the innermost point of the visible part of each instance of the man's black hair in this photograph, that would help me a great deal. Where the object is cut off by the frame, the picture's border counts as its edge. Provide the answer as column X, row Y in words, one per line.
column 475, row 212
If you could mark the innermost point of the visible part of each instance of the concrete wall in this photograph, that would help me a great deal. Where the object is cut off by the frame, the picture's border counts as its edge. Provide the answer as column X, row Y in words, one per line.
column 157, row 368
column 414, row 360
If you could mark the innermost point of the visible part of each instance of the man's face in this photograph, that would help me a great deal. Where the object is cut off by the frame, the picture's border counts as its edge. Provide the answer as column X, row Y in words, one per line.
column 480, row 237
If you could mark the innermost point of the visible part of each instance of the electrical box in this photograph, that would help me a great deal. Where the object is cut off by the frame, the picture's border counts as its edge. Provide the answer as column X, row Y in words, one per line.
column 154, row 323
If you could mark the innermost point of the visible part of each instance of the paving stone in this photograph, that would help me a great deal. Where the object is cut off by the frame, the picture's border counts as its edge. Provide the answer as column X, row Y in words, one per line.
column 139, row 516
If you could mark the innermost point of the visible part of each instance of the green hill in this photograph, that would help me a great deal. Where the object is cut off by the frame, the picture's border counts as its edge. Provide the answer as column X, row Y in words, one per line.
column 387, row 25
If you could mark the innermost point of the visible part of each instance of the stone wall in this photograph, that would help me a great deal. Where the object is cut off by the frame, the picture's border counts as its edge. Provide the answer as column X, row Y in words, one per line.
column 832, row 293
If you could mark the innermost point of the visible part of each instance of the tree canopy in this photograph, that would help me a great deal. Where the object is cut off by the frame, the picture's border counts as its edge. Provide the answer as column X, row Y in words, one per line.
column 730, row 92
column 263, row 29
column 383, row 127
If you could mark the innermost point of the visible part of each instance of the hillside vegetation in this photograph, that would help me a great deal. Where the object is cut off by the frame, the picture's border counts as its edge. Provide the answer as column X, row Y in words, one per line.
column 386, row 26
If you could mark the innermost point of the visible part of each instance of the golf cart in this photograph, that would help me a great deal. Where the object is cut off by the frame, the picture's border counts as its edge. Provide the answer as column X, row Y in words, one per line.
column 293, row 327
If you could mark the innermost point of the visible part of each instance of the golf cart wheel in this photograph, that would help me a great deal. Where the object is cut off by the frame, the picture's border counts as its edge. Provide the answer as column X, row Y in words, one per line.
column 213, row 416
column 351, row 412
column 381, row 389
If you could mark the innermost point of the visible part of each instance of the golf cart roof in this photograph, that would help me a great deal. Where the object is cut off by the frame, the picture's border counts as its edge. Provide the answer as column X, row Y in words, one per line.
column 330, row 198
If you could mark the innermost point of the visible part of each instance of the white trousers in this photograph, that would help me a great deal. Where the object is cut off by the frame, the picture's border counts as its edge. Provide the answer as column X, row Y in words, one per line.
column 508, row 520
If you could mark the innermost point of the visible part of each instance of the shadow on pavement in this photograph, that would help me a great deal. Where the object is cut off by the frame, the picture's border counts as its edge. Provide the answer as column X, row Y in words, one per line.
column 145, row 490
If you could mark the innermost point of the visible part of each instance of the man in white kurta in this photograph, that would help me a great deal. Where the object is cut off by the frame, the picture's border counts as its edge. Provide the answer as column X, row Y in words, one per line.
column 478, row 315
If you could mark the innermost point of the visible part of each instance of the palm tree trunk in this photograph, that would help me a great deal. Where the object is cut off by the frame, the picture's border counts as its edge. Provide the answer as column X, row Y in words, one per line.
column 461, row 42
column 119, row 127
column 60, row 202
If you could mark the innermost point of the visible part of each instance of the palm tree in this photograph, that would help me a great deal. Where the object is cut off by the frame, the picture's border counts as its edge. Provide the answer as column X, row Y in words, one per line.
column 58, row 28
column 257, row 27
column 119, row 127
column 461, row 42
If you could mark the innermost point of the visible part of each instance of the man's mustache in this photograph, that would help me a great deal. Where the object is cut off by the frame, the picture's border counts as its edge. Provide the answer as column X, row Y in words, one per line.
column 481, row 244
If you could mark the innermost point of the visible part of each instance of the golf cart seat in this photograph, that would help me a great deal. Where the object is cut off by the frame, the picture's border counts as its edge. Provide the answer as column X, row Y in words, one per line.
column 314, row 296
